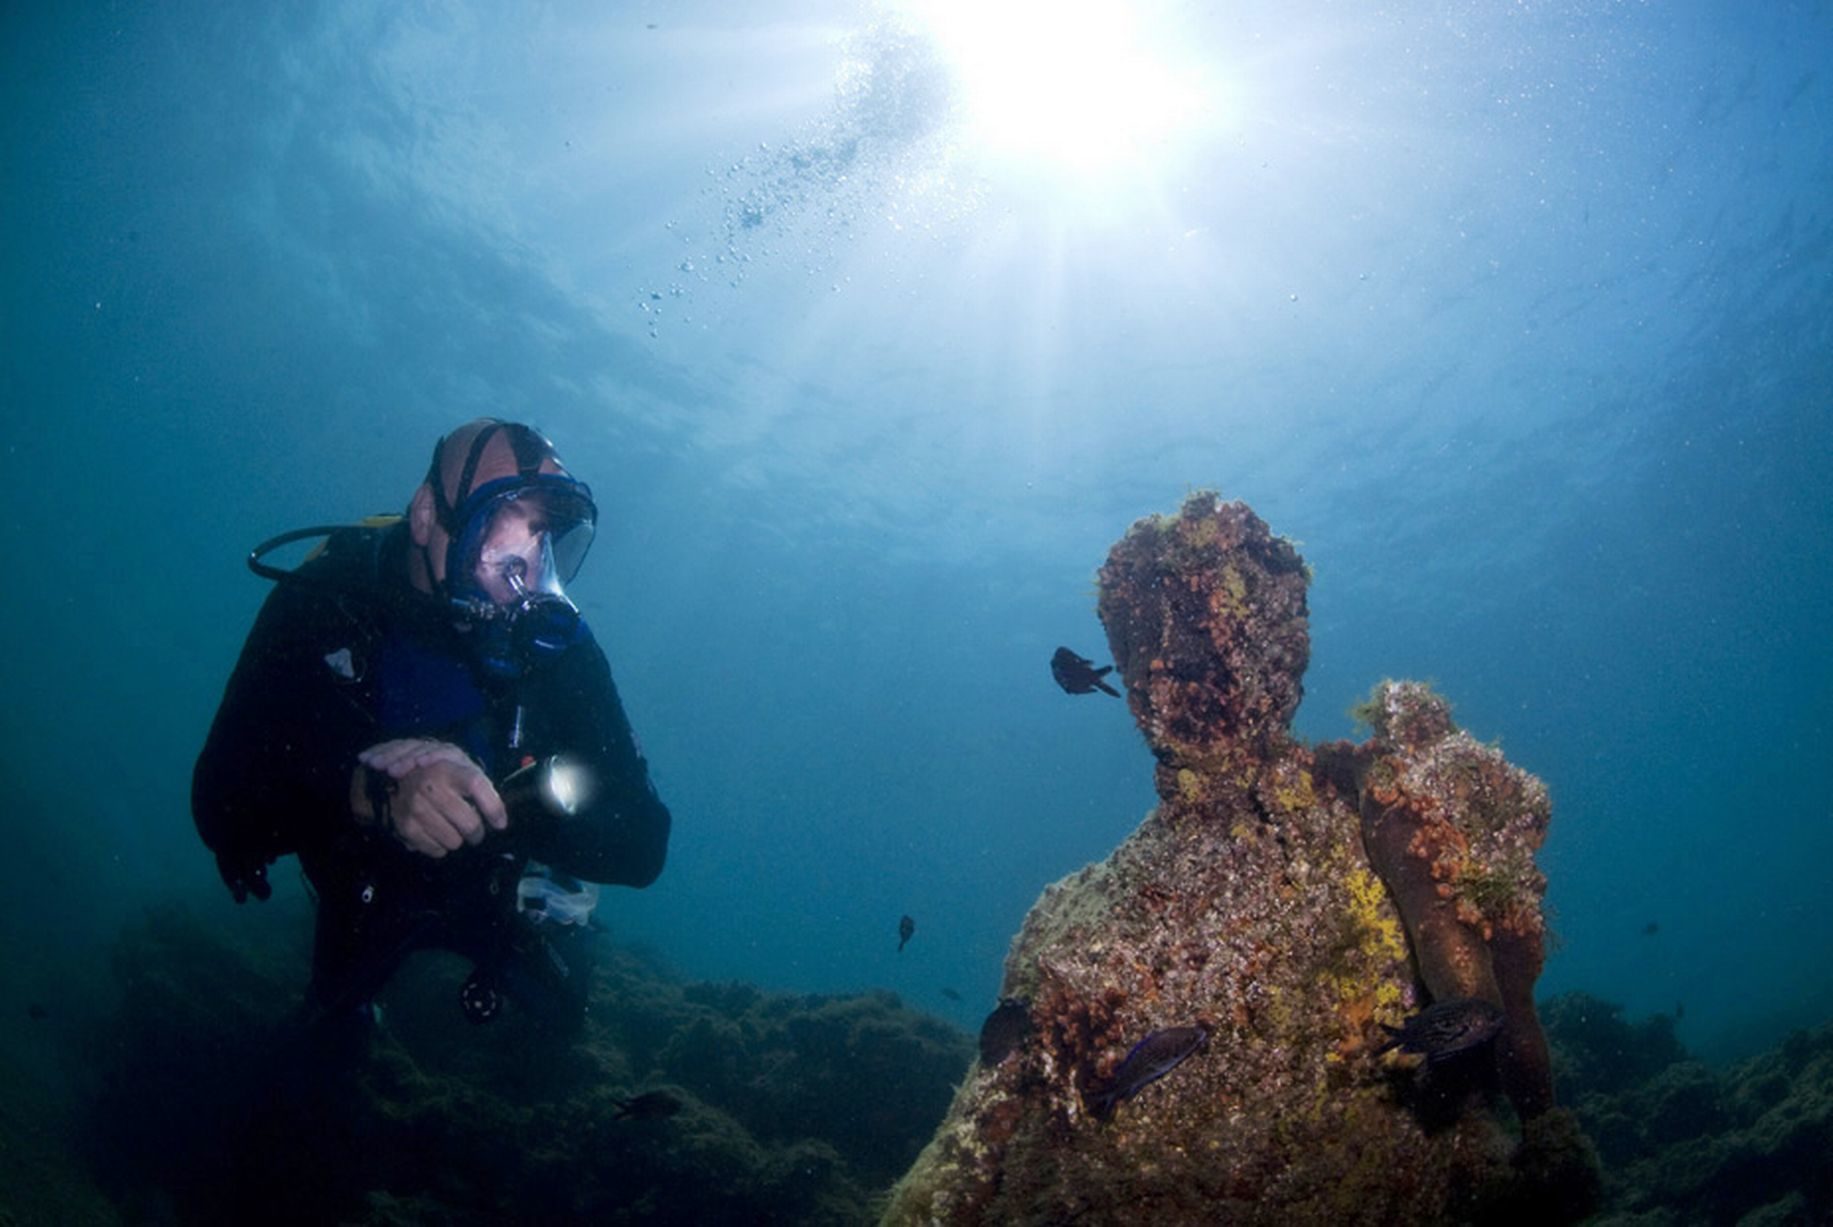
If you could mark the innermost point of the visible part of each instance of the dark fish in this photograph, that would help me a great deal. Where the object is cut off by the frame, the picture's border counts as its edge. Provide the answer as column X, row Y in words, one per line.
column 1445, row 1028
column 1651, row 928
column 905, row 928
column 951, row 994
column 1078, row 675
column 650, row 1105
column 1008, row 1026
column 37, row 1013
column 1151, row 1059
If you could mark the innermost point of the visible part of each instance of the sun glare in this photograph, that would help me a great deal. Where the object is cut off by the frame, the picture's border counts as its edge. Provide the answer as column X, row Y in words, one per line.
column 1071, row 82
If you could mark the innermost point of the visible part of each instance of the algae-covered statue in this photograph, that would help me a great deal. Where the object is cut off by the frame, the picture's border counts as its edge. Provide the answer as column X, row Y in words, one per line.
column 1301, row 991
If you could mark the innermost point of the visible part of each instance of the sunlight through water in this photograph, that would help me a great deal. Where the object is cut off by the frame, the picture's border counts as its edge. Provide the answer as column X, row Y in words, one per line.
column 1083, row 86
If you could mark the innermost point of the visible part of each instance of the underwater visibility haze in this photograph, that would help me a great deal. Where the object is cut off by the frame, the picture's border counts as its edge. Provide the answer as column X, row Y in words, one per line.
column 873, row 327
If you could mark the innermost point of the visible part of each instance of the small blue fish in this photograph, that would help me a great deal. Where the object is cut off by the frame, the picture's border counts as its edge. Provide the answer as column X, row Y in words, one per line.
column 1151, row 1059
column 1445, row 1029
column 1005, row 1029
column 1078, row 675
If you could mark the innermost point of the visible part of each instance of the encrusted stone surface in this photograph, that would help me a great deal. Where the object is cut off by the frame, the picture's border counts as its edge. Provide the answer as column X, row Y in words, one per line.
column 1246, row 903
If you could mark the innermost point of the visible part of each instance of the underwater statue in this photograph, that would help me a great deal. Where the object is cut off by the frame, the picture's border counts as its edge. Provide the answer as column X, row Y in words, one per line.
column 1301, row 990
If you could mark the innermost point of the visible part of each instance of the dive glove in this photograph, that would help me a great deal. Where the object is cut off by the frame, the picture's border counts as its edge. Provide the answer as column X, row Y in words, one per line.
column 244, row 878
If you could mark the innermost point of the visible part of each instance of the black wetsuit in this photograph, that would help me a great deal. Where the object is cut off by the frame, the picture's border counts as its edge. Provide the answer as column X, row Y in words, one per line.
column 348, row 654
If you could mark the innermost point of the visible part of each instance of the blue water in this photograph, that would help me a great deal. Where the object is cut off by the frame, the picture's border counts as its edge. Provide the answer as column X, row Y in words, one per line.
column 1516, row 316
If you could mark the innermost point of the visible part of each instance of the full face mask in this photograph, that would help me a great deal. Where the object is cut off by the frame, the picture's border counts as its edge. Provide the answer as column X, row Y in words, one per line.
column 515, row 543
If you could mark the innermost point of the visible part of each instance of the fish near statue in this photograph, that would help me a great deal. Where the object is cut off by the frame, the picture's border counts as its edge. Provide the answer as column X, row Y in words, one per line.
column 1078, row 675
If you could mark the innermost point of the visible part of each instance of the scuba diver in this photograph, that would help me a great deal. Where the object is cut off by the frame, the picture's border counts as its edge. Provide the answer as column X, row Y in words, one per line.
column 423, row 717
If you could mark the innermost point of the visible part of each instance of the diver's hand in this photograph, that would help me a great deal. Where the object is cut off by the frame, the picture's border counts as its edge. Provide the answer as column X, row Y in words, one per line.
column 402, row 755
column 442, row 805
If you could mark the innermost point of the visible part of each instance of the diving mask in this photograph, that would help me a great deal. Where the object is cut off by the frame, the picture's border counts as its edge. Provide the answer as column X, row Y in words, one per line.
column 521, row 539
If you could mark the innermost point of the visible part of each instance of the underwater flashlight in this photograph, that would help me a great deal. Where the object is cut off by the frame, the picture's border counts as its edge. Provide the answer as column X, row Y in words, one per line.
column 552, row 789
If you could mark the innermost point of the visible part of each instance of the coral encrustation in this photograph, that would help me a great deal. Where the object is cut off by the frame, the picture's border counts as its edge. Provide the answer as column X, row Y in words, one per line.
column 1246, row 905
